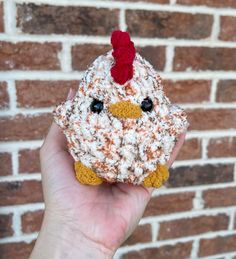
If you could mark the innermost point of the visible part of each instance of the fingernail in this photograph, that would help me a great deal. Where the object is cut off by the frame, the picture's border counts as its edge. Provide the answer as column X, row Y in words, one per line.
column 69, row 95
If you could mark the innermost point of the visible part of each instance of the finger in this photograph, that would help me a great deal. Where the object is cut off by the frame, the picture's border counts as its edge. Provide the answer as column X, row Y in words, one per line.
column 176, row 149
column 71, row 94
column 55, row 138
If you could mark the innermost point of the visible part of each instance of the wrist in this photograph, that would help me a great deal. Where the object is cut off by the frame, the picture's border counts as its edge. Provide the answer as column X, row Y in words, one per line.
column 60, row 239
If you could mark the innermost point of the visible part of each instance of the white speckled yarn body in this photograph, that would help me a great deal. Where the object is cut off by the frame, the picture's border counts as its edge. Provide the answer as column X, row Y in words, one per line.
column 120, row 150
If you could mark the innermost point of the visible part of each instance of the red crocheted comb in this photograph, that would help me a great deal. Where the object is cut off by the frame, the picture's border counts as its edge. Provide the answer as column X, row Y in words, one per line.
column 123, row 53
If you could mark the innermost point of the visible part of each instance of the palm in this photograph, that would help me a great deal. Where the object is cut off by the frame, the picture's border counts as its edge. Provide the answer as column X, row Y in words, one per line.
column 103, row 210
column 106, row 214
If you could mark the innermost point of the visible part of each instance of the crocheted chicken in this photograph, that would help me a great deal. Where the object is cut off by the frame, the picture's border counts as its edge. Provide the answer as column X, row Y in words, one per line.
column 120, row 126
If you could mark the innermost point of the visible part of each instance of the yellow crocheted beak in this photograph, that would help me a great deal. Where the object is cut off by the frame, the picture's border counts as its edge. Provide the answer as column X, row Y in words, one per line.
column 125, row 110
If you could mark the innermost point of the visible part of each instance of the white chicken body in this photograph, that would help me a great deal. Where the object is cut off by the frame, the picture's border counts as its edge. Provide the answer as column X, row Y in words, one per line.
column 120, row 149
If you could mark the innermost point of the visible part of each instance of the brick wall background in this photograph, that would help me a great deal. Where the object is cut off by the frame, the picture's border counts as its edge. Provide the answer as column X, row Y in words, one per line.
column 46, row 45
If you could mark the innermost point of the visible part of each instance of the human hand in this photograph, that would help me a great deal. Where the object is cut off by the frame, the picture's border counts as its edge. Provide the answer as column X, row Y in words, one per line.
column 85, row 221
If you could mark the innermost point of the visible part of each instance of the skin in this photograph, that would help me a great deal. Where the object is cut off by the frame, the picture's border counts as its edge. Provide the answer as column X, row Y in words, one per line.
column 83, row 221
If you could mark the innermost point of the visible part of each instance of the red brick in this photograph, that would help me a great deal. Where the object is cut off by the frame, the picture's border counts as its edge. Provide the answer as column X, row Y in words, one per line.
column 190, row 150
column 226, row 91
column 29, row 56
column 214, row 3
column 20, row 192
column 217, row 245
column 33, row 93
column 210, row 119
column 187, row 91
column 6, row 225
column 179, row 250
column 220, row 197
column 6, row 164
column 47, row 19
column 24, row 127
column 169, row 203
column 200, row 175
column 142, row 234
column 204, row 58
column 227, row 28
column 192, row 226
column 1, row 18
column 222, row 147
column 155, row 55
column 29, row 161
column 19, row 250
column 84, row 54
column 4, row 98
column 166, row 24
column 31, row 221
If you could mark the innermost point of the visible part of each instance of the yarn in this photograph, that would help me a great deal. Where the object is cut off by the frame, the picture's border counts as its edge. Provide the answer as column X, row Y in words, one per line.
column 157, row 177
column 124, row 54
column 125, row 110
column 85, row 175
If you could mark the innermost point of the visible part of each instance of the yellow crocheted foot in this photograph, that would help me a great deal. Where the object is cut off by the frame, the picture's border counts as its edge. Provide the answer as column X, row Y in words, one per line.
column 157, row 177
column 85, row 175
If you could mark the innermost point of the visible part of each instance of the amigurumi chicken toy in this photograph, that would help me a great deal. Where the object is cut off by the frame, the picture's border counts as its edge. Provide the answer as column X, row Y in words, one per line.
column 120, row 126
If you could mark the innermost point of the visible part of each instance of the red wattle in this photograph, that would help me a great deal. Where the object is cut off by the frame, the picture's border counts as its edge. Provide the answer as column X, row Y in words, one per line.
column 124, row 54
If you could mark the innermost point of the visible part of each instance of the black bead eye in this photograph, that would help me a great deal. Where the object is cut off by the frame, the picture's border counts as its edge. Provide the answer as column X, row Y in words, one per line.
column 147, row 105
column 96, row 106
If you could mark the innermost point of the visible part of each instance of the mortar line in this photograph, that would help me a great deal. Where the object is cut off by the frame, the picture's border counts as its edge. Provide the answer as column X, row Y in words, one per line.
column 21, row 177
column 188, row 215
column 122, row 20
column 201, row 162
column 75, row 75
column 173, row 241
column 82, row 39
column 204, row 151
column 9, row 17
column 15, row 164
column 11, row 89
column 215, row 27
column 198, row 203
column 169, row 58
column 22, row 208
column 25, row 238
column 208, row 105
column 210, row 133
column 16, row 224
column 172, row 2
column 137, row 6
column 231, row 220
column 235, row 172
column 195, row 248
column 18, row 145
column 213, row 92
column 25, row 111
column 155, row 227
column 65, row 57
column 176, row 190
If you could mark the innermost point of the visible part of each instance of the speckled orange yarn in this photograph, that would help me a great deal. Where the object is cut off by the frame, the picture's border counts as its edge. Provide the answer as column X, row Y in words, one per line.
column 85, row 175
column 125, row 110
column 157, row 178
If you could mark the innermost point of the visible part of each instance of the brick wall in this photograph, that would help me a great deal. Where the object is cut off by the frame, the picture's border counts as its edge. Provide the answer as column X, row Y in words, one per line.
column 44, row 50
